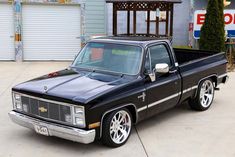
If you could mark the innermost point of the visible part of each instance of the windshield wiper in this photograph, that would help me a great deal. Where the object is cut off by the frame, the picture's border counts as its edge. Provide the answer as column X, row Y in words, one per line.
column 79, row 68
column 99, row 71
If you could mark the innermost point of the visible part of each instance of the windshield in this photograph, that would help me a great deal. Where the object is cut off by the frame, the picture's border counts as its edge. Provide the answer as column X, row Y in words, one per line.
column 117, row 58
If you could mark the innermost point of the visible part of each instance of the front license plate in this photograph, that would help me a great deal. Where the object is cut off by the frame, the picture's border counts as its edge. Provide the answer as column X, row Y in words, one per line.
column 41, row 130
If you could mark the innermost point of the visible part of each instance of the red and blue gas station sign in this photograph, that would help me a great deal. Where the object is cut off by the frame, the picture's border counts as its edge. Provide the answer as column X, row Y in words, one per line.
column 229, row 18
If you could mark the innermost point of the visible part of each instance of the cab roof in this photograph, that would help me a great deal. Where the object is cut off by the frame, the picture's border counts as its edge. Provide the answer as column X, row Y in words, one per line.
column 143, row 41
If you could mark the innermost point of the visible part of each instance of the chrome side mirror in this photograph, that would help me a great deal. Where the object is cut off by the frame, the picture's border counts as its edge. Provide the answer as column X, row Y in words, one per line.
column 162, row 68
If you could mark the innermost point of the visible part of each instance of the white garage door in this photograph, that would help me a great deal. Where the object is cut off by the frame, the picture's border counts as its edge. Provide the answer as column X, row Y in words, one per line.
column 50, row 32
column 6, row 32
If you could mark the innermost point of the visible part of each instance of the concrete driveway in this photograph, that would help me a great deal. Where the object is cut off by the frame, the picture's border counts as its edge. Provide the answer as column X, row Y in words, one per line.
column 179, row 132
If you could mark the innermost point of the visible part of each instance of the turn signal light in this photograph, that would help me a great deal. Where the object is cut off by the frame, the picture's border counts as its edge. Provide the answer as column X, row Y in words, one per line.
column 94, row 125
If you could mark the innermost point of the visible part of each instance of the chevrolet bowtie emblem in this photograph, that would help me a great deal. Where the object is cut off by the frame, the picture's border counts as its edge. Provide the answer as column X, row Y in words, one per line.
column 42, row 109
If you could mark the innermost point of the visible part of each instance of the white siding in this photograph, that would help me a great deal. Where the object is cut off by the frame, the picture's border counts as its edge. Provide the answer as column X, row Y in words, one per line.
column 95, row 22
column 6, row 32
column 51, row 32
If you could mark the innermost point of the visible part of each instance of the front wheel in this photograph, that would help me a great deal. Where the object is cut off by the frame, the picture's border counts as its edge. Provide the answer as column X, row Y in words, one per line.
column 117, row 127
column 205, row 96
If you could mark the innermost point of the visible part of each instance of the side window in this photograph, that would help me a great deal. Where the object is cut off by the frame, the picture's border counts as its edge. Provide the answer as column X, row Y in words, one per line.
column 159, row 54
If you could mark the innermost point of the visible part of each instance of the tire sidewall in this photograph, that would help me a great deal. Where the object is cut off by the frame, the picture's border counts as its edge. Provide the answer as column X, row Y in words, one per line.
column 198, row 95
column 106, row 136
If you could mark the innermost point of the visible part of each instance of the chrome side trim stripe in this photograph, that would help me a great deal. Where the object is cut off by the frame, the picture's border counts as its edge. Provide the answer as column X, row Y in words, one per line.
column 163, row 100
column 166, row 99
column 189, row 89
column 223, row 75
column 174, row 95
column 142, row 108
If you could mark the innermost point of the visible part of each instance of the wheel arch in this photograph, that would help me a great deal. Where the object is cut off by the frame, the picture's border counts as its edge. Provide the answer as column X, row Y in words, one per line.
column 130, row 107
column 213, row 77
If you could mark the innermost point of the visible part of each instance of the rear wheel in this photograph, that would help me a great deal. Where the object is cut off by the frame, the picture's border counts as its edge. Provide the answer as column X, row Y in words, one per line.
column 205, row 96
column 117, row 127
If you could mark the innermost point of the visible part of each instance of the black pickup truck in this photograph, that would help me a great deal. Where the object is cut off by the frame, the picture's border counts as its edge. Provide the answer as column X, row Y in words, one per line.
column 114, row 83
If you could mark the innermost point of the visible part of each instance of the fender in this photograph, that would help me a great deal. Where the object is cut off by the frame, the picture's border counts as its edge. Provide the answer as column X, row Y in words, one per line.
column 213, row 75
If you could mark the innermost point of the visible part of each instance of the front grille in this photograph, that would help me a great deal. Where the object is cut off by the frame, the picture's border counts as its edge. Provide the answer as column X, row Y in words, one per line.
column 47, row 109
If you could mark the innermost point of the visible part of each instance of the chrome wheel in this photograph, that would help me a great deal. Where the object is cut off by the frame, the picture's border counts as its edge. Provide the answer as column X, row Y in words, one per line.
column 206, row 93
column 120, row 127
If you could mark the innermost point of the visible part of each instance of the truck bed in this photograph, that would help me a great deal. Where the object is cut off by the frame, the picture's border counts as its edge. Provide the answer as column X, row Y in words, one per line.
column 195, row 65
column 186, row 55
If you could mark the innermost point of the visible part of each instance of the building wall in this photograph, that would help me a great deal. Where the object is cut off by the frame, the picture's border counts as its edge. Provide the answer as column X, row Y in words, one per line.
column 181, row 22
column 95, row 17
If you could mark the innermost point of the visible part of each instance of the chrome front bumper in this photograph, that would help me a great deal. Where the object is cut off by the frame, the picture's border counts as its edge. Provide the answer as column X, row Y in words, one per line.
column 65, row 132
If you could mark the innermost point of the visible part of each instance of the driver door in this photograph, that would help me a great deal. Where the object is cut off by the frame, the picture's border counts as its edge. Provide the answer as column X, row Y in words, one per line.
column 164, row 92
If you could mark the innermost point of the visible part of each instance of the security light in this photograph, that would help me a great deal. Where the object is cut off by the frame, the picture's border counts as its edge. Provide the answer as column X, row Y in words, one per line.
column 227, row 2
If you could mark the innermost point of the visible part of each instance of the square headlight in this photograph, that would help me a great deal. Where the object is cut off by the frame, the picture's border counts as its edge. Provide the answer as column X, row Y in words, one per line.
column 17, row 97
column 17, row 104
column 78, row 110
column 79, row 121
column 79, row 116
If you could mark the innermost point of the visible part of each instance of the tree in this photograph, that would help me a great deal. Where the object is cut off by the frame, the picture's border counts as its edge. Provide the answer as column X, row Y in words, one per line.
column 212, row 32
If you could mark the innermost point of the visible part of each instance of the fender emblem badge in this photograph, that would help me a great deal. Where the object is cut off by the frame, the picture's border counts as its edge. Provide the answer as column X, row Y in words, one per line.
column 142, row 96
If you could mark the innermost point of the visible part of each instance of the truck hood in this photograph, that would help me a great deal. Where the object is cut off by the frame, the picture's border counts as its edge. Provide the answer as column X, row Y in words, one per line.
column 76, row 86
